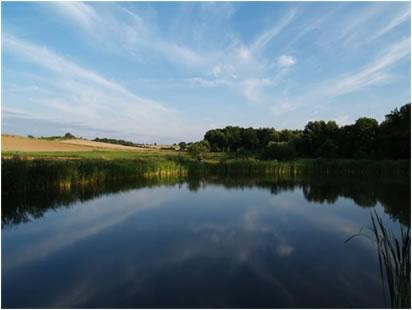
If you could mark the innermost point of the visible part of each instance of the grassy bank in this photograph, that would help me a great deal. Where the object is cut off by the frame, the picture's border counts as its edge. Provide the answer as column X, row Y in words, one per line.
column 32, row 171
column 27, row 171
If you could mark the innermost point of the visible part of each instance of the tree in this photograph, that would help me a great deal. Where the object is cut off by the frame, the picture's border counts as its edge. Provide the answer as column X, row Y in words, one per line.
column 328, row 149
column 279, row 151
column 217, row 139
column 364, row 136
column 249, row 139
column 363, row 139
column 395, row 133
column 197, row 149
column 182, row 146
column 234, row 137
column 315, row 135
column 68, row 135
column 266, row 135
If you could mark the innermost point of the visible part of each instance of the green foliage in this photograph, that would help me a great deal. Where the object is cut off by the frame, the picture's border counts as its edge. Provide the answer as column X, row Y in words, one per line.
column 365, row 139
column 116, row 141
column 197, row 149
column 328, row 149
column 395, row 133
column 182, row 146
column 279, row 151
column 316, row 134
column 68, row 135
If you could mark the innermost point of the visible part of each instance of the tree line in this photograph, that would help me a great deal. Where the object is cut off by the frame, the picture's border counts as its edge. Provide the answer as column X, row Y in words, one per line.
column 365, row 139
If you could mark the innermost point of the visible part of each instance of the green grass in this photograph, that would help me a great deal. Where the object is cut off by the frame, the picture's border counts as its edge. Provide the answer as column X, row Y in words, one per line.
column 112, row 155
column 348, row 165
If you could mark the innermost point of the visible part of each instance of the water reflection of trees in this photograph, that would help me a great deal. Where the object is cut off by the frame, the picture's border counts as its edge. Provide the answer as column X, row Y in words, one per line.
column 394, row 195
column 20, row 206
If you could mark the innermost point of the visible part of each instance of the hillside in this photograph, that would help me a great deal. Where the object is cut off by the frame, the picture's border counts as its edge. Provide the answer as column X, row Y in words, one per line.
column 24, row 144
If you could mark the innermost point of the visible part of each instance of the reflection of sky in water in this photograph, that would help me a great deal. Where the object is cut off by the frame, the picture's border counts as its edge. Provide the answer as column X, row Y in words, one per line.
column 215, row 247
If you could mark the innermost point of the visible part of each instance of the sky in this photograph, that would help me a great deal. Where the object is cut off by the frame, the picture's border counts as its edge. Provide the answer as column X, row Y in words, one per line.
column 167, row 72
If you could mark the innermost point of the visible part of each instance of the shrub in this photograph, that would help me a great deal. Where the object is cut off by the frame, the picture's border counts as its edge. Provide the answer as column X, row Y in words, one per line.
column 279, row 151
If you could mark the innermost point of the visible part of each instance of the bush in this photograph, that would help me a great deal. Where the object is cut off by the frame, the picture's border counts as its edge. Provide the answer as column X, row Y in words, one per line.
column 197, row 149
column 279, row 151
column 328, row 149
column 68, row 135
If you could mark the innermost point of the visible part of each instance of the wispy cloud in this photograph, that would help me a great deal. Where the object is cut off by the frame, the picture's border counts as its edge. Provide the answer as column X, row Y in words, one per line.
column 371, row 24
column 86, row 96
column 84, row 15
column 396, row 21
column 155, row 60
column 241, row 67
column 286, row 61
column 266, row 36
column 371, row 74
column 122, row 28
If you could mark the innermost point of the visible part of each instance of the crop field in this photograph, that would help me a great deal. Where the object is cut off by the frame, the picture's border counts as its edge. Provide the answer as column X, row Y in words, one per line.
column 24, row 144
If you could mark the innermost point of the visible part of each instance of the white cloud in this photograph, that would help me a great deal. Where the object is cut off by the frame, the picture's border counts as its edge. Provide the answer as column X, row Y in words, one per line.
column 396, row 21
column 371, row 74
column 84, row 15
column 122, row 28
column 284, row 249
column 237, row 65
column 266, row 36
column 371, row 23
column 286, row 61
column 210, row 82
column 85, row 96
column 244, row 53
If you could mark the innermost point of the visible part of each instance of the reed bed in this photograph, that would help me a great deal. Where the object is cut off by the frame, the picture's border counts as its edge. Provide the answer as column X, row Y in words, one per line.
column 39, row 174
column 394, row 257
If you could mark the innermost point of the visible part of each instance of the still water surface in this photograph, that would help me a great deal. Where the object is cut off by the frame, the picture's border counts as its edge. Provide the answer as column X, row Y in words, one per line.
column 210, row 243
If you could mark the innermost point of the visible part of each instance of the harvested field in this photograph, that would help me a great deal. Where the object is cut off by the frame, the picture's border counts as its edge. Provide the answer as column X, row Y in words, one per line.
column 98, row 145
column 23, row 144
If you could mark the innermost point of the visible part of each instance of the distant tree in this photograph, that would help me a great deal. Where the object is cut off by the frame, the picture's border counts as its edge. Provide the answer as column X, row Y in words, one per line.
column 30, row 136
column 363, row 139
column 249, row 139
column 266, row 135
column 328, row 149
column 68, row 135
column 395, row 133
column 365, row 132
column 217, row 139
column 316, row 133
column 182, row 146
column 197, row 149
column 234, row 137
column 279, row 151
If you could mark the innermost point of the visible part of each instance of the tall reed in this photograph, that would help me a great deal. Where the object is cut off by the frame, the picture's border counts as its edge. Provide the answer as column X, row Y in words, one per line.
column 394, row 257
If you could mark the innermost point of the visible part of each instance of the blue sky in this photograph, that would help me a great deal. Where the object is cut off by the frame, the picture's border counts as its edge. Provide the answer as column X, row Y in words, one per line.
column 167, row 72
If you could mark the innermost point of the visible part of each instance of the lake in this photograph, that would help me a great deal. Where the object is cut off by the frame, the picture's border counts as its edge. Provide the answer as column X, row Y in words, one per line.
column 199, row 243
